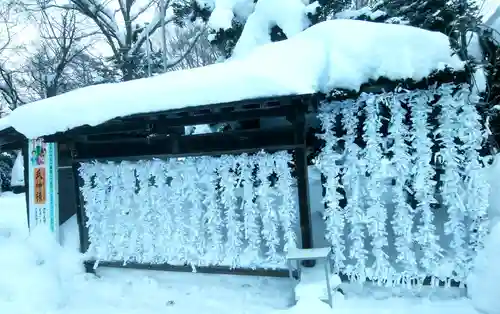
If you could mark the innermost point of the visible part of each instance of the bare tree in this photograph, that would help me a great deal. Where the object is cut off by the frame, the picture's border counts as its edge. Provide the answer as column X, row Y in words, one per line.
column 128, row 38
column 8, row 88
column 62, row 41
column 201, row 54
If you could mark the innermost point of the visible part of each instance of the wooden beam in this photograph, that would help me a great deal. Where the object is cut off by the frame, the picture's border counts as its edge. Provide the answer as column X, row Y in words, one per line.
column 220, row 117
column 10, row 139
column 303, row 182
column 169, row 122
column 241, row 105
column 283, row 273
column 193, row 145
column 26, row 161
column 81, row 218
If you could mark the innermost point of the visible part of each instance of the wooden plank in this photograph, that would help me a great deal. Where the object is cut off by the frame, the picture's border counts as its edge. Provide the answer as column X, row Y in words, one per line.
column 171, row 119
column 282, row 273
column 301, row 170
column 194, row 145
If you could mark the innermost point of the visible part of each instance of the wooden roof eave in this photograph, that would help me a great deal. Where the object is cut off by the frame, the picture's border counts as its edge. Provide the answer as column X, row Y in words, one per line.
column 174, row 121
column 10, row 139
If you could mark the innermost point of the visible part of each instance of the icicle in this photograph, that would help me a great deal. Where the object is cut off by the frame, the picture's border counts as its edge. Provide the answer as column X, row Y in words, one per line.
column 472, row 134
column 451, row 190
column 288, row 208
column 227, row 172
column 423, row 183
column 376, row 213
column 326, row 162
column 352, row 174
column 265, row 199
column 250, row 209
column 402, row 223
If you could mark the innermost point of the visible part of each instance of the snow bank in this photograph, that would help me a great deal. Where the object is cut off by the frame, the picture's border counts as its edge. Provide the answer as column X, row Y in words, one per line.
column 37, row 271
column 332, row 54
column 39, row 276
column 13, row 215
column 17, row 175
column 483, row 282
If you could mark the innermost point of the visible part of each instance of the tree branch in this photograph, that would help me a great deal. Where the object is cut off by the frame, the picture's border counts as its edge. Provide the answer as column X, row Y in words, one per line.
column 179, row 59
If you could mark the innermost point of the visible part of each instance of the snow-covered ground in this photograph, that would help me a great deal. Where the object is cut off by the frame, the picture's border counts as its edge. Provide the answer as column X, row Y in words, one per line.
column 40, row 277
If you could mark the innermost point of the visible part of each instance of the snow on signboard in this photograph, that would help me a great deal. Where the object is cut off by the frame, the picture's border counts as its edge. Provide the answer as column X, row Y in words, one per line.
column 319, row 59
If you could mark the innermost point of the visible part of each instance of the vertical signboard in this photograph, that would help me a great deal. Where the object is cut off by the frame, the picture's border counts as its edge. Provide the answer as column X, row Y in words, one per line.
column 43, row 186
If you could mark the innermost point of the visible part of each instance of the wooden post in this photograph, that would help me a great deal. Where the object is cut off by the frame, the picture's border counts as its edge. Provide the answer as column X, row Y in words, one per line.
column 80, row 210
column 302, row 181
column 83, row 232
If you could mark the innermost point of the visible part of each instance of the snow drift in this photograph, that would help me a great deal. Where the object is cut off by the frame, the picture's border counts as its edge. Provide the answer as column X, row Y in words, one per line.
column 333, row 54
column 483, row 282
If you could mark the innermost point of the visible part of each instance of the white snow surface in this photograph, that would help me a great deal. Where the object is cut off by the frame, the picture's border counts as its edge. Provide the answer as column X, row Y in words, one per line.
column 333, row 54
column 39, row 276
column 483, row 282
column 42, row 277
column 292, row 19
column 224, row 11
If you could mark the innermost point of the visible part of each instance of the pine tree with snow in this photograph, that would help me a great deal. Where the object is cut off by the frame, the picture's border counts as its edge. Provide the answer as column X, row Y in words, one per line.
column 257, row 21
column 6, row 163
column 446, row 16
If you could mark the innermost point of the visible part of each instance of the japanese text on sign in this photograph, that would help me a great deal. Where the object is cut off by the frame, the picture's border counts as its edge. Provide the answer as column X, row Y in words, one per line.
column 40, row 188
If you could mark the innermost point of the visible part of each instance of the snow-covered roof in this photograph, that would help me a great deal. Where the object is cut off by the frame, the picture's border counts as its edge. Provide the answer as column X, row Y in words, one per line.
column 334, row 54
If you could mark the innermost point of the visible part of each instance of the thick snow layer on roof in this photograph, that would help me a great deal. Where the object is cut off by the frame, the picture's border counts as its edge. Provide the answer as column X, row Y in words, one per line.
column 292, row 19
column 333, row 54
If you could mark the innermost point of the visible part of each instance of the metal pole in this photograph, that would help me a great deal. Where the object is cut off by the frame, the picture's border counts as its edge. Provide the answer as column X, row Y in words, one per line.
column 164, row 34
column 328, row 284
column 148, row 49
